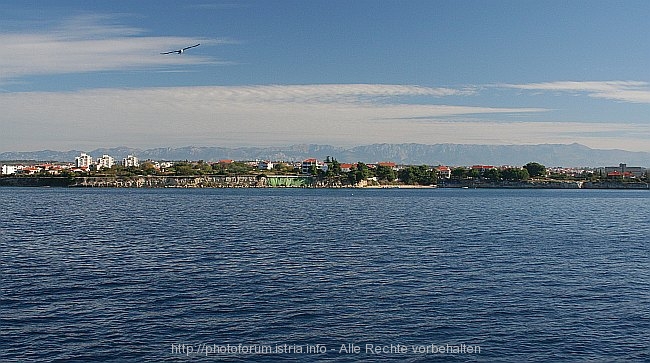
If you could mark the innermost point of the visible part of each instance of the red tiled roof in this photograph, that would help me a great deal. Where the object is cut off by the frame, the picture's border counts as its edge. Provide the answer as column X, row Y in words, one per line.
column 618, row 173
column 387, row 163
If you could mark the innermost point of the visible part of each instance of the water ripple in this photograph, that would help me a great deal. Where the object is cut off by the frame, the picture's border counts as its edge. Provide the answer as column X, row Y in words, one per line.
column 121, row 275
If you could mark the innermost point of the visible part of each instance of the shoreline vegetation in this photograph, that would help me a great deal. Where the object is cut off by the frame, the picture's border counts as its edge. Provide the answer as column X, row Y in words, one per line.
column 312, row 173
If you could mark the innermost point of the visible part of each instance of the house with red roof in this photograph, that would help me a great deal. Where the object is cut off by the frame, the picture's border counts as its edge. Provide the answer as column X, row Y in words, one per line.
column 443, row 171
column 307, row 165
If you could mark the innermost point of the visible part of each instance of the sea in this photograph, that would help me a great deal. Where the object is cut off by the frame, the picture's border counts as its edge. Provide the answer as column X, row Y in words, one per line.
column 331, row 275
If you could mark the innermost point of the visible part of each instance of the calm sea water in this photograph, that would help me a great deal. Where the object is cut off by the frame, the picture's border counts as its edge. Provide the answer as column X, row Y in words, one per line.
column 177, row 275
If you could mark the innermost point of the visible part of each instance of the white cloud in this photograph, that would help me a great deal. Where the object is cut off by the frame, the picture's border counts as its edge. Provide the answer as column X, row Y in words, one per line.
column 345, row 115
column 623, row 91
column 252, row 115
column 85, row 44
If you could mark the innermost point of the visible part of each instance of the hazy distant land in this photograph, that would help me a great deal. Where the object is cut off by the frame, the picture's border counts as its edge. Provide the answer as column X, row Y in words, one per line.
column 412, row 154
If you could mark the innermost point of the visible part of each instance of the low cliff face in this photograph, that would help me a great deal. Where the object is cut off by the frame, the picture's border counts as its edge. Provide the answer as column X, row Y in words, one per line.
column 36, row 181
column 170, row 182
column 544, row 184
column 615, row 185
column 210, row 181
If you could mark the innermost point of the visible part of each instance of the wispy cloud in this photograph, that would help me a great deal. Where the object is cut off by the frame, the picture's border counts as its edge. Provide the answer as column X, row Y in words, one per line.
column 342, row 114
column 86, row 44
column 623, row 91
column 338, row 114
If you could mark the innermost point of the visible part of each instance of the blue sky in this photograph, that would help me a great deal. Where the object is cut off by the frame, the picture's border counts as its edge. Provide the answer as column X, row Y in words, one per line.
column 89, row 74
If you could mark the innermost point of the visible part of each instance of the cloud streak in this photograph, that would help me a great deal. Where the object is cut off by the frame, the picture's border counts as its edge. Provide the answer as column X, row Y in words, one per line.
column 251, row 115
column 85, row 44
column 622, row 91
column 338, row 114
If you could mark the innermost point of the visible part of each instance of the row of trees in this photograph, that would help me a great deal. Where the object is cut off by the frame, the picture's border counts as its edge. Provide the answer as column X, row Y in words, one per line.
column 494, row 175
column 420, row 175
column 182, row 168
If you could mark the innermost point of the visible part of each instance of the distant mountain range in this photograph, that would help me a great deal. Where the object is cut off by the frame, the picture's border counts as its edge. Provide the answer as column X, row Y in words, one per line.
column 415, row 154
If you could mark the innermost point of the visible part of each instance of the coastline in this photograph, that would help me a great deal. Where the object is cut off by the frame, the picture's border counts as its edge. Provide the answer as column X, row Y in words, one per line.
column 287, row 181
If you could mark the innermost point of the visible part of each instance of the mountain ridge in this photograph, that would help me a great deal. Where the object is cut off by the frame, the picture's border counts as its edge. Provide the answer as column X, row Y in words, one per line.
column 568, row 155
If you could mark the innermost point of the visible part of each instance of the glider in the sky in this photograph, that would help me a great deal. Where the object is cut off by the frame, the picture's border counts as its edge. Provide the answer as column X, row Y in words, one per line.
column 180, row 51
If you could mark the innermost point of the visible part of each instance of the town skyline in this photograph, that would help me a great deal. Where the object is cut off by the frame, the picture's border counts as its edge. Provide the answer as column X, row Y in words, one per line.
column 106, row 171
column 81, row 75
column 573, row 155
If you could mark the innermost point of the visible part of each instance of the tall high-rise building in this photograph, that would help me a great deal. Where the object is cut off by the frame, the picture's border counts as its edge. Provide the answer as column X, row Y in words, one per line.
column 105, row 161
column 83, row 161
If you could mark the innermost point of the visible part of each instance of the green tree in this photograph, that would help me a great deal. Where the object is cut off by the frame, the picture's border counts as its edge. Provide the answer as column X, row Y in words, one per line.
column 148, row 168
column 336, row 167
column 535, row 169
column 203, row 168
column 386, row 173
column 427, row 176
column 515, row 174
column 239, row 168
column 333, row 167
column 183, row 168
column 361, row 172
column 458, row 173
column 422, row 175
column 472, row 174
column 493, row 175
column 364, row 171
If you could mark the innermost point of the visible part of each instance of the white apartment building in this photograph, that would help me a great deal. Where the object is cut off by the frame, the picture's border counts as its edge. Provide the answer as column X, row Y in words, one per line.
column 106, row 161
column 83, row 161
column 9, row 169
column 131, row 160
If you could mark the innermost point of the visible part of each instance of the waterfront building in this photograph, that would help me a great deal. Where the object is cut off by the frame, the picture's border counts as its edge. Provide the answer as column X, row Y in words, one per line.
column 9, row 169
column 130, row 160
column 622, row 170
column 83, row 161
column 30, row 170
column 443, row 171
column 106, row 161
column 345, row 167
column 307, row 165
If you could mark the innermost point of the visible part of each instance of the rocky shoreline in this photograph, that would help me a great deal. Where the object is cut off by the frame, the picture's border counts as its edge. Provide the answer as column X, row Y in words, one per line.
column 283, row 181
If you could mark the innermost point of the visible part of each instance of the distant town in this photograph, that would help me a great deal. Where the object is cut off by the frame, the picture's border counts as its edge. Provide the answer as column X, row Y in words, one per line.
column 99, row 171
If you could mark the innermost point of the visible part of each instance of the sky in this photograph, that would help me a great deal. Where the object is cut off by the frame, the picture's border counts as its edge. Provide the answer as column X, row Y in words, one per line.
column 81, row 75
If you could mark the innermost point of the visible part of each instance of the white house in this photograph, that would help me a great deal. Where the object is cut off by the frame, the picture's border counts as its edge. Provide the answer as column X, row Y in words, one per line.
column 265, row 165
column 443, row 171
